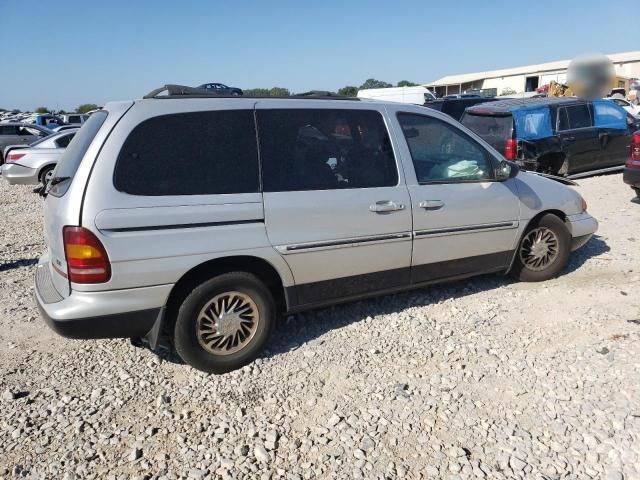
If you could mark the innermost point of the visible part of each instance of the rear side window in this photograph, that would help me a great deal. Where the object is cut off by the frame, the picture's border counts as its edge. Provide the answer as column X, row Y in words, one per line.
column 325, row 149
column 493, row 129
column 574, row 116
column 8, row 130
column 63, row 141
column 72, row 156
column 489, row 126
column 197, row 153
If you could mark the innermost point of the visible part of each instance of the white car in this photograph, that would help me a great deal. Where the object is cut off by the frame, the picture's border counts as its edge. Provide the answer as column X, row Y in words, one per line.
column 35, row 163
column 629, row 107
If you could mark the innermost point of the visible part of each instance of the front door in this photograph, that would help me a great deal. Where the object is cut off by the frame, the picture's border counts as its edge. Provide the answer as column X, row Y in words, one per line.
column 335, row 202
column 578, row 138
column 464, row 221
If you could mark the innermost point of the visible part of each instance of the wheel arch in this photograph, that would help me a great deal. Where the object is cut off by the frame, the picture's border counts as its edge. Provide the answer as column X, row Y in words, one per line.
column 258, row 266
column 554, row 162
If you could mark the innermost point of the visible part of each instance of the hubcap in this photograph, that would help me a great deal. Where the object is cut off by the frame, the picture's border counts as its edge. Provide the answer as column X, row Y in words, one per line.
column 539, row 248
column 227, row 323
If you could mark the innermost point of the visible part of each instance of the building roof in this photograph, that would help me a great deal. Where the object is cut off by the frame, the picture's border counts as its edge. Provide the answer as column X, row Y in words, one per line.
column 625, row 57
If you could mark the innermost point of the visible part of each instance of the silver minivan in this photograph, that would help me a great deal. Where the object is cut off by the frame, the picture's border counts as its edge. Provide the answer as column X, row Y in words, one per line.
column 201, row 219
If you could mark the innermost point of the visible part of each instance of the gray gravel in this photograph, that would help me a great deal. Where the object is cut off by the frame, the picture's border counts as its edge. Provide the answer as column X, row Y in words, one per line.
column 484, row 378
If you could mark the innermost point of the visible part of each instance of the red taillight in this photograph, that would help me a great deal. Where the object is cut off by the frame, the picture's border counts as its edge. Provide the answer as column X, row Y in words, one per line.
column 87, row 260
column 634, row 159
column 511, row 149
column 14, row 157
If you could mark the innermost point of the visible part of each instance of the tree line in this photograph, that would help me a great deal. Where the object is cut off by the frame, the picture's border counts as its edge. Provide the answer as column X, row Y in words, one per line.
column 347, row 91
column 84, row 108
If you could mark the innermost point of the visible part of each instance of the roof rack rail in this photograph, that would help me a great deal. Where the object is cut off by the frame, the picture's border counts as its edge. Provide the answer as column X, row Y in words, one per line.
column 182, row 91
column 177, row 90
column 324, row 94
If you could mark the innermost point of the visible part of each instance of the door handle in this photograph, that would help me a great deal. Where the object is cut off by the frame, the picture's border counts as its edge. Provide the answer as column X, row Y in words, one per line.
column 386, row 206
column 569, row 139
column 431, row 204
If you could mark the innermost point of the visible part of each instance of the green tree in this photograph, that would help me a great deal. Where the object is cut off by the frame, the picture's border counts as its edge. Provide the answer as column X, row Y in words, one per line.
column 406, row 83
column 279, row 92
column 42, row 110
column 348, row 91
column 256, row 92
column 61, row 112
column 86, row 107
column 267, row 92
column 373, row 83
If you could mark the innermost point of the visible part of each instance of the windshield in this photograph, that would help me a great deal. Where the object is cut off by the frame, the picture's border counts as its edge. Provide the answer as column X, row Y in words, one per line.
column 71, row 158
column 494, row 130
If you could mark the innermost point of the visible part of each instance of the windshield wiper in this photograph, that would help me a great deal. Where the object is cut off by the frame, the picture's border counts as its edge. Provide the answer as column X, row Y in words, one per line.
column 57, row 180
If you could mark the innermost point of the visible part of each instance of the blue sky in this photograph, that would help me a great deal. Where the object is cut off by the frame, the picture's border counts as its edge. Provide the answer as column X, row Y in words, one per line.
column 62, row 53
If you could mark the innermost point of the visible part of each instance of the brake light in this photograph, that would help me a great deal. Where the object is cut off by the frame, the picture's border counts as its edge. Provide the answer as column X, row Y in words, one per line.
column 634, row 159
column 14, row 157
column 87, row 260
column 511, row 149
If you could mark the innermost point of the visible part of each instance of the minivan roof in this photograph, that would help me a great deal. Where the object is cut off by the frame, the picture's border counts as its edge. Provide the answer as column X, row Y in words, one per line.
column 182, row 91
column 507, row 106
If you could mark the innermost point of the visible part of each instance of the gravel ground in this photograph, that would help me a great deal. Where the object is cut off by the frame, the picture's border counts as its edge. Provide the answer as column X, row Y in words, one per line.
column 484, row 378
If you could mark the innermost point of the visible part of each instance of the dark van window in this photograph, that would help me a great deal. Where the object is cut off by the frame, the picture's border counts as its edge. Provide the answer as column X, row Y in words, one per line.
column 574, row 116
column 324, row 150
column 197, row 153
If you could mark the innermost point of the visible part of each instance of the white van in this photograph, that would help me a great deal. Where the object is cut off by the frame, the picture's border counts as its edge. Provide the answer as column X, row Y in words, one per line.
column 416, row 95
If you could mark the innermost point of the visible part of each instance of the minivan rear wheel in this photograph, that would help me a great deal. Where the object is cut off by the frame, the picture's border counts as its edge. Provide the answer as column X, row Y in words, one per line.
column 224, row 323
column 543, row 251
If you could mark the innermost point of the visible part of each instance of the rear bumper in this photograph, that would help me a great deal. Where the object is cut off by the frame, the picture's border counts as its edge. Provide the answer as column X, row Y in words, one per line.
column 583, row 226
column 17, row 174
column 631, row 176
column 118, row 325
column 106, row 314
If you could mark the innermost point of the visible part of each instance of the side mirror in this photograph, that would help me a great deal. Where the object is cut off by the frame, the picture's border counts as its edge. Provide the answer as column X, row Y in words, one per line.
column 506, row 170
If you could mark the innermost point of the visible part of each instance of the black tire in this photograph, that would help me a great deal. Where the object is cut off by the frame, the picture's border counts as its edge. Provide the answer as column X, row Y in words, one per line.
column 45, row 171
column 186, row 337
column 523, row 272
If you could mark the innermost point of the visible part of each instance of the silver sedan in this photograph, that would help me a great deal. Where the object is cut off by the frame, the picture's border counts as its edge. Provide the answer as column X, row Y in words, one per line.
column 35, row 163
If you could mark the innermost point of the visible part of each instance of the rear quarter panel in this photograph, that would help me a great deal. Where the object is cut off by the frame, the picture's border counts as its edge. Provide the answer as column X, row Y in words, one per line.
column 65, row 210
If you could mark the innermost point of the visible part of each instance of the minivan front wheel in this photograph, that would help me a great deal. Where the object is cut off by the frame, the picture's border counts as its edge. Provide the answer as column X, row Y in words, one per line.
column 224, row 323
column 543, row 250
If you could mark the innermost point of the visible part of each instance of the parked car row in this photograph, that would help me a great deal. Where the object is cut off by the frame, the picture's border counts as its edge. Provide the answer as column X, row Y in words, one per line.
column 48, row 120
column 17, row 133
